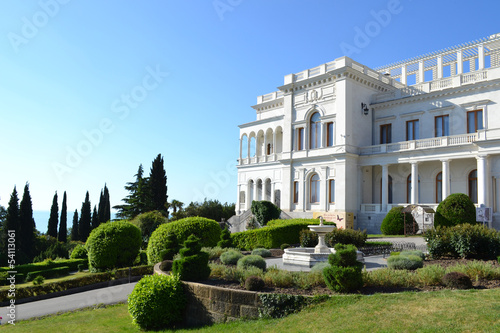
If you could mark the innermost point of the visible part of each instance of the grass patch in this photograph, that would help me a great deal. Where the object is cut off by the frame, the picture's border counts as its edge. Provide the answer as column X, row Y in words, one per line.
column 59, row 279
column 392, row 236
column 437, row 312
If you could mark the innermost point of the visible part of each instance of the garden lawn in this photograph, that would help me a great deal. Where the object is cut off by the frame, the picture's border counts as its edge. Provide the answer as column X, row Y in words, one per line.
column 443, row 311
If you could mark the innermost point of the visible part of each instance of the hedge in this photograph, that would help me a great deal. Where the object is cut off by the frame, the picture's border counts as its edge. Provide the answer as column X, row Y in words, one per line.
column 52, row 287
column 206, row 229
column 276, row 233
column 44, row 265
column 49, row 273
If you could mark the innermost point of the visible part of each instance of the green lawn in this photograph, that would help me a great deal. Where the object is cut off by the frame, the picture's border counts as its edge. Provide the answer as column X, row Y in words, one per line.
column 392, row 236
column 63, row 278
column 443, row 311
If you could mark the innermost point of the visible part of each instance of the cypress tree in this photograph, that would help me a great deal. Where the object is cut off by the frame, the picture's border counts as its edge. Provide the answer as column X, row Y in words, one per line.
column 10, row 222
column 74, row 229
column 104, row 211
column 158, row 186
column 85, row 219
column 27, row 229
column 63, row 225
column 95, row 218
column 54, row 217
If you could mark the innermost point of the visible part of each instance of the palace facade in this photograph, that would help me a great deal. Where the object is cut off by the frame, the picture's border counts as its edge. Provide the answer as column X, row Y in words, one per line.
column 344, row 138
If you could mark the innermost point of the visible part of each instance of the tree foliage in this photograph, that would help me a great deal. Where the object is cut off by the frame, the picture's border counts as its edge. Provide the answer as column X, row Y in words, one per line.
column 26, row 233
column 63, row 224
column 210, row 209
column 85, row 219
column 54, row 218
column 74, row 229
column 157, row 186
column 104, row 210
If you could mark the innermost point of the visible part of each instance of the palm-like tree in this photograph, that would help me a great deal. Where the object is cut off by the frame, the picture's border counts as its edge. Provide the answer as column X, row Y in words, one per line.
column 176, row 205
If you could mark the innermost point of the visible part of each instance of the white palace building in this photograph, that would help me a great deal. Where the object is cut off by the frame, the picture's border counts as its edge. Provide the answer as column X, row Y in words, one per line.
column 344, row 138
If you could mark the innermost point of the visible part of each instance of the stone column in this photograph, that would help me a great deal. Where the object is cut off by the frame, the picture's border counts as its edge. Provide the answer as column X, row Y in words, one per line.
column 385, row 187
column 323, row 189
column 255, row 190
column 273, row 185
column 480, row 56
column 421, row 72
column 403, row 74
column 460, row 63
column 481, row 179
column 445, row 184
column 414, row 183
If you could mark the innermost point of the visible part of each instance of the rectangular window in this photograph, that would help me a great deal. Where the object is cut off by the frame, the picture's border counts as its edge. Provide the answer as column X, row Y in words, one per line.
column 474, row 121
column 295, row 192
column 300, row 138
column 329, row 134
column 385, row 133
column 412, row 130
column 442, row 125
column 331, row 190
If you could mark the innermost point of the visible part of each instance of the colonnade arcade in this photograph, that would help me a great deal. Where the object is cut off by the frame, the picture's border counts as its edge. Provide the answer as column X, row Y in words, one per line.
column 261, row 146
column 392, row 184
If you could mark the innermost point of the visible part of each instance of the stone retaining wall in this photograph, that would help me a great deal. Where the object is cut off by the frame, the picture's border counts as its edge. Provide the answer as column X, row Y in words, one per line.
column 210, row 304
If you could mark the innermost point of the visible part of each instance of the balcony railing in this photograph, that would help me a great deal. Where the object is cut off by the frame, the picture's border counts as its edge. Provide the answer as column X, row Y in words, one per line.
column 442, row 141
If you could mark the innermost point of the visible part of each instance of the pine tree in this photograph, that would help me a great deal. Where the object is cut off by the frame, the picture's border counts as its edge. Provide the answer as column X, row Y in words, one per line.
column 74, row 229
column 158, row 186
column 63, row 225
column 95, row 218
column 26, row 234
column 136, row 200
column 85, row 219
column 54, row 217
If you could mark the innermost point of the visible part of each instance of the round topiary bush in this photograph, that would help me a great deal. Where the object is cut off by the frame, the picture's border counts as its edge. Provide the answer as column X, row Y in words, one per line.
column 79, row 252
column 457, row 280
column 393, row 223
column 148, row 222
column 252, row 260
column 457, row 208
column 410, row 262
column 284, row 246
column 230, row 257
column 264, row 253
column 157, row 302
column 207, row 230
column 113, row 244
column 254, row 283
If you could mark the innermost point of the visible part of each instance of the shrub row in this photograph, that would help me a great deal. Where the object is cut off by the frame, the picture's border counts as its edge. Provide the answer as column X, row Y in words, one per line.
column 48, row 264
column 52, row 287
column 276, row 233
column 464, row 240
column 48, row 273
column 346, row 236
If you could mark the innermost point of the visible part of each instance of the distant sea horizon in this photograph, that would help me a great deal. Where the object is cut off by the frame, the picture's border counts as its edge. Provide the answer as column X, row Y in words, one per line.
column 41, row 218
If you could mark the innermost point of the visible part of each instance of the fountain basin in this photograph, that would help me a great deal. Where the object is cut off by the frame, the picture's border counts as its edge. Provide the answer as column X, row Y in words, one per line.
column 306, row 256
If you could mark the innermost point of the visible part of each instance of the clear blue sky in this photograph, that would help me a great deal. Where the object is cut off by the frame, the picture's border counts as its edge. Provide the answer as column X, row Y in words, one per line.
column 75, row 78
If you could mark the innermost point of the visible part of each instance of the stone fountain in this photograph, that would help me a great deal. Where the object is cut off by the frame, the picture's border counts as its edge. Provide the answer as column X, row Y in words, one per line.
column 310, row 256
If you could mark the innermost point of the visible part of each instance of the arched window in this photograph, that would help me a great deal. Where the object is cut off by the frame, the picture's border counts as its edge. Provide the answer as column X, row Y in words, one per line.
column 439, row 187
column 408, row 189
column 314, row 189
column 473, row 186
column 315, row 131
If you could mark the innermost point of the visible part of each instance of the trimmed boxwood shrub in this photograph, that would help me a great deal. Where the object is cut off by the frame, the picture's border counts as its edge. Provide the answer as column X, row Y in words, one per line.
column 308, row 238
column 265, row 211
column 207, row 230
column 113, row 244
column 409, row 262
column 254, row 283
column 344, row 273
column 47, row 264
column 252, row 260
column 465, row 241
column 457, row 280
column 79, row 252
column 264, row 253
column 456, row 209
column 346, row 236
column 273, row 235
column 230, row 257
column 157, row 302
column 225, row 239
column 413, row 253
column 193, row 263
column 393, row 223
